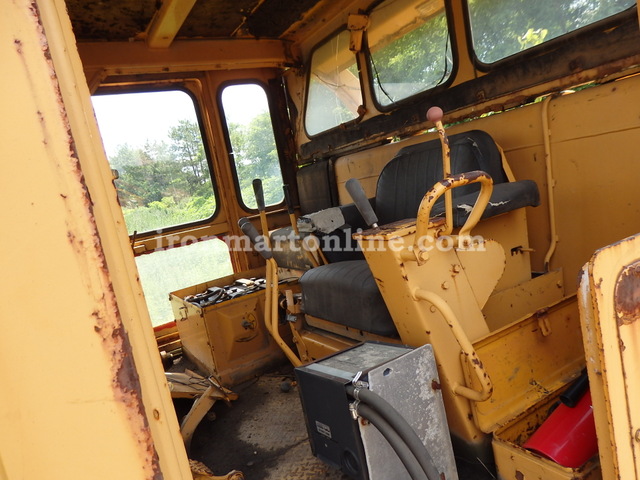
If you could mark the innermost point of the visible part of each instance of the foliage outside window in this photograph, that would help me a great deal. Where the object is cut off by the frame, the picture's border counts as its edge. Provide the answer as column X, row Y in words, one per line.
column 253, row 144
column 334, row 85
column 154, row 142
column 410, row 48
column 501, row 28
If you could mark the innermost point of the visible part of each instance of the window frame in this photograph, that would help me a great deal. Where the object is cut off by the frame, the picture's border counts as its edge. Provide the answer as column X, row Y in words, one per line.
column 325, row 40
column 412, row 98
column 228, row 146
column 182, row 86
column 544, row 47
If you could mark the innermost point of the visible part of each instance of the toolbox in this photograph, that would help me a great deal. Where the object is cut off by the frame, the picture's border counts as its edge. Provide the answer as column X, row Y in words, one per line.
column 531, row 362
column 221, row 326
column 516, row 462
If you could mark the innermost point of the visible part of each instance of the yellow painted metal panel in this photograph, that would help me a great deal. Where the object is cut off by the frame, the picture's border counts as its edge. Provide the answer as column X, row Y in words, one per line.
column 136, row 57
column 523, row 299
column 73, row 402
column 56, row 96
column 527, row 361
column 609, row 303
column 228, row 340
column 167, row 21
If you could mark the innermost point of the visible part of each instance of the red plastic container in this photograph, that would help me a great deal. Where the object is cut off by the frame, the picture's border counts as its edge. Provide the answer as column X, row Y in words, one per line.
column 568, row 436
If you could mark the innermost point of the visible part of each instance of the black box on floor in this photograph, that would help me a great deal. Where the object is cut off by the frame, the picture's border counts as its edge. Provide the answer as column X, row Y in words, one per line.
column 334, row 435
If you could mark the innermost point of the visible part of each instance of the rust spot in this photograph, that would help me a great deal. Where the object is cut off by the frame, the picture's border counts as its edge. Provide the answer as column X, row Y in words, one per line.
column 107, row 320
column 435, row 385
column 125, row 380
column 627, row 294
column 519, row 475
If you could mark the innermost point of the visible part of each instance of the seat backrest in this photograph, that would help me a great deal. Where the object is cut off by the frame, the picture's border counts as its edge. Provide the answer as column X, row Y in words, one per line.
column 416, row 168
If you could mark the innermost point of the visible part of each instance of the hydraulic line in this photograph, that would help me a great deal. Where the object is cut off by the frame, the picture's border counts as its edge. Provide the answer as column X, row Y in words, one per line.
column 400, row 425
column 396, row 442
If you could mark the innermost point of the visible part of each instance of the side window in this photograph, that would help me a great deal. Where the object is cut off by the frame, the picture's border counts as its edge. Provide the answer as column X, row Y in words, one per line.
column 501, row 28
column 409, row 48
column 253, row 144
column 166, row 271
column 153, row 140
column 335, row 92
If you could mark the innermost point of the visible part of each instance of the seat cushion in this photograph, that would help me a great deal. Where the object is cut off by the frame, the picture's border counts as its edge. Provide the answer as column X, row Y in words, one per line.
column 346, row 293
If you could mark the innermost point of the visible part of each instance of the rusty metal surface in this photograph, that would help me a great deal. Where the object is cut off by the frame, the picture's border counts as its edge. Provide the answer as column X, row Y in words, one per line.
column 96, row 20
column 609, row 304
column 627, row 294
column 100, row 391
column 109, row 21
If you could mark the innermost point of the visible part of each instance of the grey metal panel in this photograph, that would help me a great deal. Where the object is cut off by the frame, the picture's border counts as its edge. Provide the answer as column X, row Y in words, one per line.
column 407, row 383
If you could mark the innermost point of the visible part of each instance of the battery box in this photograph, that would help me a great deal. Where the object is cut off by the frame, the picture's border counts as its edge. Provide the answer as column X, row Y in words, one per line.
column 222, row 329
column 405, row 378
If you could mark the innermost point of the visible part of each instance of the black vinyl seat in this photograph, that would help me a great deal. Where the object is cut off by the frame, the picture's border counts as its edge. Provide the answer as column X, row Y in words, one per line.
column 346, row 292
column 328, row 288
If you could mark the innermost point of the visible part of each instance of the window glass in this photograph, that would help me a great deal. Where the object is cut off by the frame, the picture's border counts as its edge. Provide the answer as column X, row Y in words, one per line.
column 501, row 28
column 165, row 271
column 410, row 48
column 246, row 111
column 334, row 85
column 154, row 142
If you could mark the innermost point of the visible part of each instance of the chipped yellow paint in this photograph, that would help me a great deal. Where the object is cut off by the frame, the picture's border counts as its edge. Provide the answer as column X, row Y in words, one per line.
column 74, row 403
column 608, row 305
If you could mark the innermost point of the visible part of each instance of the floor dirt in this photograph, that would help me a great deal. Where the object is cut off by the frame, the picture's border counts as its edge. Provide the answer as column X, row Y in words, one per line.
column 263, row 435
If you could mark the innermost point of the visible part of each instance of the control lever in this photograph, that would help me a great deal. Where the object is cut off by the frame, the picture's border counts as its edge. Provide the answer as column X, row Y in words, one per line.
column 290, row 210
column 259, row 193
column 435, row 115
column 362, row 202
column 294, row 227
column 257, row 240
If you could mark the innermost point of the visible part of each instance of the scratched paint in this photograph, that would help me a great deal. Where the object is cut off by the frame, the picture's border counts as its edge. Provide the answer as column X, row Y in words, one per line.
column 107, row 320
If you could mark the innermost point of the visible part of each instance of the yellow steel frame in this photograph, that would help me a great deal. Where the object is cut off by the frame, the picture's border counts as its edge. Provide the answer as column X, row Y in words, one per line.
column 611, row 329
column 90, row 316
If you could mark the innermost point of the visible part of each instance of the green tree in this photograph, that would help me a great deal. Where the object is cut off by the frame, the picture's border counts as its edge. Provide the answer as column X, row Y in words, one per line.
column 163, row 184
column 413, row 62
column 188, row 150
column 502, row 28
column 256, row 156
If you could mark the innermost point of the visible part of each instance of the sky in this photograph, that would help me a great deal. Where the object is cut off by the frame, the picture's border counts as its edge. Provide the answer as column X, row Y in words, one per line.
column 135, row 118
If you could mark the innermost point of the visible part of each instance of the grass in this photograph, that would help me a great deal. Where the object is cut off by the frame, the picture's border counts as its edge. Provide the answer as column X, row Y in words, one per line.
column 169, row 270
